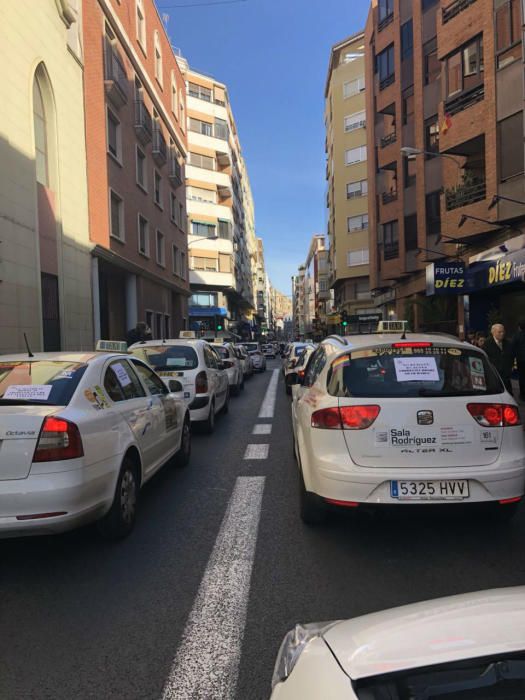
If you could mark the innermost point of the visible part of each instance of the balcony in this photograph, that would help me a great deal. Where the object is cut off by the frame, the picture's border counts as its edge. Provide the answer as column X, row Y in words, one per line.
column 159, row 150
column 175, row 173
column 115, row 81
column 465, row 100
column 143, row 123
column 454, row 9
column 391, row 250
column 467, row 193
column 388, row 139
column 388, row 197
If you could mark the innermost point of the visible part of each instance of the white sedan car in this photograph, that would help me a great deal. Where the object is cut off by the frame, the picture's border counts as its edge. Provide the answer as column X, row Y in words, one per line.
column 80, row 434
column 379, row 419
column 461, row 647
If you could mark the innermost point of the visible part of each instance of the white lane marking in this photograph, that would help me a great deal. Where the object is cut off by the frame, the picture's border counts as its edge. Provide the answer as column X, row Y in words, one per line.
column 262, row 429
column 256, row 452
column 268, row 404
column 207, row 662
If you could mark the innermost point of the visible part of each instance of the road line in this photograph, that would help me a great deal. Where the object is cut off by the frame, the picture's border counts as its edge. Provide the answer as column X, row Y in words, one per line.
column 256, row 452
column 207, row 662
column 262, row 429
column 268, row 404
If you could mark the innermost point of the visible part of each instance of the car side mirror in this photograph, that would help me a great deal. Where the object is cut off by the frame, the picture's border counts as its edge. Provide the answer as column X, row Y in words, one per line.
column 175, row 386
column 293, row 378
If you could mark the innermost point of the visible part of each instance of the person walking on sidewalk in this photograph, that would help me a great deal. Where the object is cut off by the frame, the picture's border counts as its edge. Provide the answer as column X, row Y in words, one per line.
column 501, row 353
column 518, row 344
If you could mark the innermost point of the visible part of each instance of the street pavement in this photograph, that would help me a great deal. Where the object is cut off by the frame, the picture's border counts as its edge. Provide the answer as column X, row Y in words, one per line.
column 195, row 603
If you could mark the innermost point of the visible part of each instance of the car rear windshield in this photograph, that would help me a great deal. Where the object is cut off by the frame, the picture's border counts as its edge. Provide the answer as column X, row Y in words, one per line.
column 411, row 370
column 39, row 382
column 298, row 350
column 165, row 358
column 251, row 347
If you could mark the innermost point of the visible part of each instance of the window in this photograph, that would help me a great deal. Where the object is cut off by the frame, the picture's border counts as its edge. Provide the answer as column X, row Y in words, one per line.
column 390, row 240
column 508, row 28
column 159, row 247
column 113, row 132
column 199, row 161
column 355, row 155
column 201, row 228
column 465, row 68
column 158, row 324
column 510, row 134
column 154, row 384
column 41, row 135
column 386, row 67
column 411, row 232
column 141, row 23
column 432, row 135
column 201, row 127
column 181, row 110
column 357, row 223
column 385, row 10
column 357, row 189
column 432, row 63
column 182, row 218
column 183, row 265
column 358, row 257
column 116, row 216
column 141, row 168
column 174, row 96
column 221, row 129
column 315, row 366
column 225, row 229
column 225, row 262
column 121, row 383
column 209, row 264
column 355, row 121
column 204, row 299
column 407, row 40
column 175, row 260
column 202, row 93
column 433, row 213
column 351, row 56
column 407, row 103
column 143, row 231
column 158, row 58
column 353, row 87
column 174, row 209
column 427, row 4
column 210, row 358
column 157, row 188
column 200, row 194
column 409, row 171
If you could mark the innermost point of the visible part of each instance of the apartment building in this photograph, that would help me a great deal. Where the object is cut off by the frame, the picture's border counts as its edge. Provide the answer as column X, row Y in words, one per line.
column 281, row 312
column 347, row 175
column 219, row 202
column 445, row 138
column 135, row 108
column 45, row 279
column 262, row 315
column 315, row 284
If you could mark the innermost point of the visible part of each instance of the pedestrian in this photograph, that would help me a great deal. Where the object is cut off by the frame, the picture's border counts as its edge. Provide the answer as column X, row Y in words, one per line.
column 140, row 332
column 500, row 353
column 518, row 345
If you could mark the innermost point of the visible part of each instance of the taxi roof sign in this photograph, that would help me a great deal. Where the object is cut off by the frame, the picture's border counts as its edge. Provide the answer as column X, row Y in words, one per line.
column 187, row 334
column 392, row 326
column 112, row 346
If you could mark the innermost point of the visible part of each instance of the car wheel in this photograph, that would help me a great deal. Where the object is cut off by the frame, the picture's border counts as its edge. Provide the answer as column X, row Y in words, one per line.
column 183, row 455
column 209, row 423
column 226, row 407
column 312, row 507
column 119, row 521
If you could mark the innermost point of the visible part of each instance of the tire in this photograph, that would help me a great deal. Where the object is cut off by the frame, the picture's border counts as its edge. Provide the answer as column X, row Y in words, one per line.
column 120, row 519
column 209, row 424
column 226, row 407
column 312, row 507
column 182, row 457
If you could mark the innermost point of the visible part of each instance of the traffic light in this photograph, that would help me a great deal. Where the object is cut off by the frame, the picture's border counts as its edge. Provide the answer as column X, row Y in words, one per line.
column 219, row 326
column 344, row 319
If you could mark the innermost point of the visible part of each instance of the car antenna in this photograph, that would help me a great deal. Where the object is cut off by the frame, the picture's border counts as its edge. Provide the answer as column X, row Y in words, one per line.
column 29, row 353
column 404, row 336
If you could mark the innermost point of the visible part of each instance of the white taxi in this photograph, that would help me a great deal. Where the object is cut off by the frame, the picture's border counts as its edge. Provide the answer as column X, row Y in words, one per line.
column 461, row 647
column 193, row 363
column 80, row 434
column 298, row 365
column 227, row 355
column 384, row 419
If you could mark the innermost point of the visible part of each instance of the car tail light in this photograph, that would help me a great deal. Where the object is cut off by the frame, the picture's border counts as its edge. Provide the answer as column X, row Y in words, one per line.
column 201, row 383
column 494, row 415
column 410, row 344
column 59, row 439
column 345, row 418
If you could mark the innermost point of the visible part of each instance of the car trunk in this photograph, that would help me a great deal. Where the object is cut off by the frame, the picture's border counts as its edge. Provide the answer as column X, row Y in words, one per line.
column 19, row 430
column 187, row 379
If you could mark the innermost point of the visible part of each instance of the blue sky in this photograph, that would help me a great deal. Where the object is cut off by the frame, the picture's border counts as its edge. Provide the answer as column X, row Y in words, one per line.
column 273, row 56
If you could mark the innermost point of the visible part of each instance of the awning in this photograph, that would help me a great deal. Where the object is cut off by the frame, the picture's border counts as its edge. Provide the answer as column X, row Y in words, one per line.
column 204, row 223
column 204, row 311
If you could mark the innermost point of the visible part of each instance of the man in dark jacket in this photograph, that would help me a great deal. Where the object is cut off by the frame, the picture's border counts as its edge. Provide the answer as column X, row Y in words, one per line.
column 500, row 352
column 140, row 332
column 518, row 345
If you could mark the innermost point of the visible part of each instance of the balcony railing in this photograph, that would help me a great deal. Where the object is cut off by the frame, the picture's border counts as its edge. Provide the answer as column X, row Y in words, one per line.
column 465, row 100
column 388, row 197
column 116, row 81
column 462, row 195
column 159, row 150
column 143, row 123
column 385, row 22
column 454, row 9
column 175, row 173
column 387, row 81
column 391, row 250
column 388, row 139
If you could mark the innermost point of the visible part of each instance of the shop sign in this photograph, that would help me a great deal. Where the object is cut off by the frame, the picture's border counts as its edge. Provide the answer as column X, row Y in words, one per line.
column 446, row 278
column 365, row 318
column 492, row 273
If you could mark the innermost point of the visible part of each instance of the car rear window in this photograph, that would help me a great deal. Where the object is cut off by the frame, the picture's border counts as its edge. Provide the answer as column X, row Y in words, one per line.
column 298, row 350
column 165, row 358
column 412, row 370
column 222, row 351
column 39, row 382
column 251, row 347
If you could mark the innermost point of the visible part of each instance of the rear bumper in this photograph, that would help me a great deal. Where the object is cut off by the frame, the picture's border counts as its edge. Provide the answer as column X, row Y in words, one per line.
column 84, row 495
column 199, row 408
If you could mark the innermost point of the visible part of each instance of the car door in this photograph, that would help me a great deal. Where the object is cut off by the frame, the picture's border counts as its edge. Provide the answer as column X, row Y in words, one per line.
column 168, row 413
column 305, row 395
column 214, row 377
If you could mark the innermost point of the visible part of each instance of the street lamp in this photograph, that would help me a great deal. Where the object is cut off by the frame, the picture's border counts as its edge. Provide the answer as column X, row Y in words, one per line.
column 411, row 151
column 204, row 238
column 497, row 197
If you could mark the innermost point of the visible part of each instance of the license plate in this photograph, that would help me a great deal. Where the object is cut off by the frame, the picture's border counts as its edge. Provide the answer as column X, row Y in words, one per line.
column 428, row 490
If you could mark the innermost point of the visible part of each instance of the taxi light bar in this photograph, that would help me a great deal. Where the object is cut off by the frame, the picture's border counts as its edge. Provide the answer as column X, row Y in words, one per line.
column 59, row 439
column 410, row 344
column 345, row 417
column 112, row 346
column 494, row 415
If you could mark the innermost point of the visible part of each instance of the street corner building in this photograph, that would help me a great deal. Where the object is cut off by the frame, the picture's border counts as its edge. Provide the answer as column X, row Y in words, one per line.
column 45, row 279
column 136, row 144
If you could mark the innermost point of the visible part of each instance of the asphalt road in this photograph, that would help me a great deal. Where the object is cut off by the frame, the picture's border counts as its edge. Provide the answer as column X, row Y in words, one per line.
column 80, row 618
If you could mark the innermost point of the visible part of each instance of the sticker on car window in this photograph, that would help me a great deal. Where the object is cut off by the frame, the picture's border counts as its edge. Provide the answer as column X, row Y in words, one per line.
column 97, row 398
column 121, row 374
column 177, row 362
column 477, row 373
column 416, row 369
column 28, row 392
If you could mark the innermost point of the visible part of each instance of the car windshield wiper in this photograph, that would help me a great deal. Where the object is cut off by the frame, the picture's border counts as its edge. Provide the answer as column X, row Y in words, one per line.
column 458, row 392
